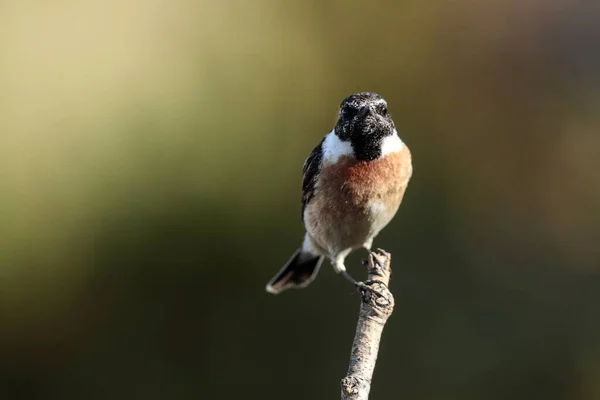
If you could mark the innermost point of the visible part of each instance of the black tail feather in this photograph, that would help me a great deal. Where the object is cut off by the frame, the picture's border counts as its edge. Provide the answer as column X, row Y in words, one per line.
column 300, row 270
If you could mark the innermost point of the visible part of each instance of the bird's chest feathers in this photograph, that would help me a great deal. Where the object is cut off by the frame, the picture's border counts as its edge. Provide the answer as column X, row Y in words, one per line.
column 369, row 180
column 362, row 181
column 368, row 187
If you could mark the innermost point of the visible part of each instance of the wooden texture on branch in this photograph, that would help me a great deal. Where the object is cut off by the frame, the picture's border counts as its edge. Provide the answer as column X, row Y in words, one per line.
column 377, row 304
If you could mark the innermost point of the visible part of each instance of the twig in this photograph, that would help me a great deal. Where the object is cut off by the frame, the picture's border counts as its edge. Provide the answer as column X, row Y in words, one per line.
column 376, row 307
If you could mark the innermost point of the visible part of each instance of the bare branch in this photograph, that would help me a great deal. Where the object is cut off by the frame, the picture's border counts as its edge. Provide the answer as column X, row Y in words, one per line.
column 376, row 307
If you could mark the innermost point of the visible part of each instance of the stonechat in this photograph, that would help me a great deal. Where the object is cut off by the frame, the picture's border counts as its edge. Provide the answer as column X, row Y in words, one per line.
column 352, row 186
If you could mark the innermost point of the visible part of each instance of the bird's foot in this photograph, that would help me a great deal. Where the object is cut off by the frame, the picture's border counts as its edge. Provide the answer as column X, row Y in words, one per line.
column 373, row 290
column 367, row 289
column 377, row 269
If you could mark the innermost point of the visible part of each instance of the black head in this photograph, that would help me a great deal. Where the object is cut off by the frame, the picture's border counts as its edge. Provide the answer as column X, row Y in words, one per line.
column 365, row 122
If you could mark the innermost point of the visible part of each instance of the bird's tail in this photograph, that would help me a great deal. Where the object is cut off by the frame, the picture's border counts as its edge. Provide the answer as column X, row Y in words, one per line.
column 300, row 270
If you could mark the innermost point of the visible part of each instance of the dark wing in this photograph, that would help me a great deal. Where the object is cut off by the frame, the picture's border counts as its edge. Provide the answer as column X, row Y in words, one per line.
column 310, row 172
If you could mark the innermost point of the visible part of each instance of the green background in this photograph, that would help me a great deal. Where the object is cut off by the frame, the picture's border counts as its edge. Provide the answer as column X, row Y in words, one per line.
column 150, row 168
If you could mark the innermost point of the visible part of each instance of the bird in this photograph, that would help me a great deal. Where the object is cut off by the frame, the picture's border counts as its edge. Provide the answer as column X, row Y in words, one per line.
column 353, row 183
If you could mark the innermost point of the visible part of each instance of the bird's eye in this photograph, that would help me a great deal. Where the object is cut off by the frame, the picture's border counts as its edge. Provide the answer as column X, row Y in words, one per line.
column 350, row 112
column 382, row 109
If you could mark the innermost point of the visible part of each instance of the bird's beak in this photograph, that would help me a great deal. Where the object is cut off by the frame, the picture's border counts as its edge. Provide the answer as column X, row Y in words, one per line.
column 366, row 110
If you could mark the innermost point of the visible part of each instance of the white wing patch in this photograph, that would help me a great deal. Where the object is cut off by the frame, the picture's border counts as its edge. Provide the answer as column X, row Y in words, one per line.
column 334, row 148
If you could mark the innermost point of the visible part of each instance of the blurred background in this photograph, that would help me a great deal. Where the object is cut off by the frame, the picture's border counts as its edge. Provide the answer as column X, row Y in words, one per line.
column 150, row 167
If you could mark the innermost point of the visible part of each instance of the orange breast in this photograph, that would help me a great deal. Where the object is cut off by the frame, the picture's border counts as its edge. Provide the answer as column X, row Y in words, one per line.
column 355, row 199
column 363, row 181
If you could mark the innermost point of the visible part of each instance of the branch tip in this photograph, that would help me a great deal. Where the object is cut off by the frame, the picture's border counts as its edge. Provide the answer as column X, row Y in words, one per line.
column 376, row 307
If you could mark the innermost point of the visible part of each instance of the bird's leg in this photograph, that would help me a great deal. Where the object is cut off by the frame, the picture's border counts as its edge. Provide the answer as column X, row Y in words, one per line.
column 349, row 277
column 340, row 268
column 368, row 244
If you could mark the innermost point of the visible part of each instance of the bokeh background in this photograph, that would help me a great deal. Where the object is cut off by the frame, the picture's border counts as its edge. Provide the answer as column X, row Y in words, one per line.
column 150, row 167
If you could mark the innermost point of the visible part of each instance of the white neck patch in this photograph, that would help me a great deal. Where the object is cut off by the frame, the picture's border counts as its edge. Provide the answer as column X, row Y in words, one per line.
column 391, row 144
column 334, row 148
